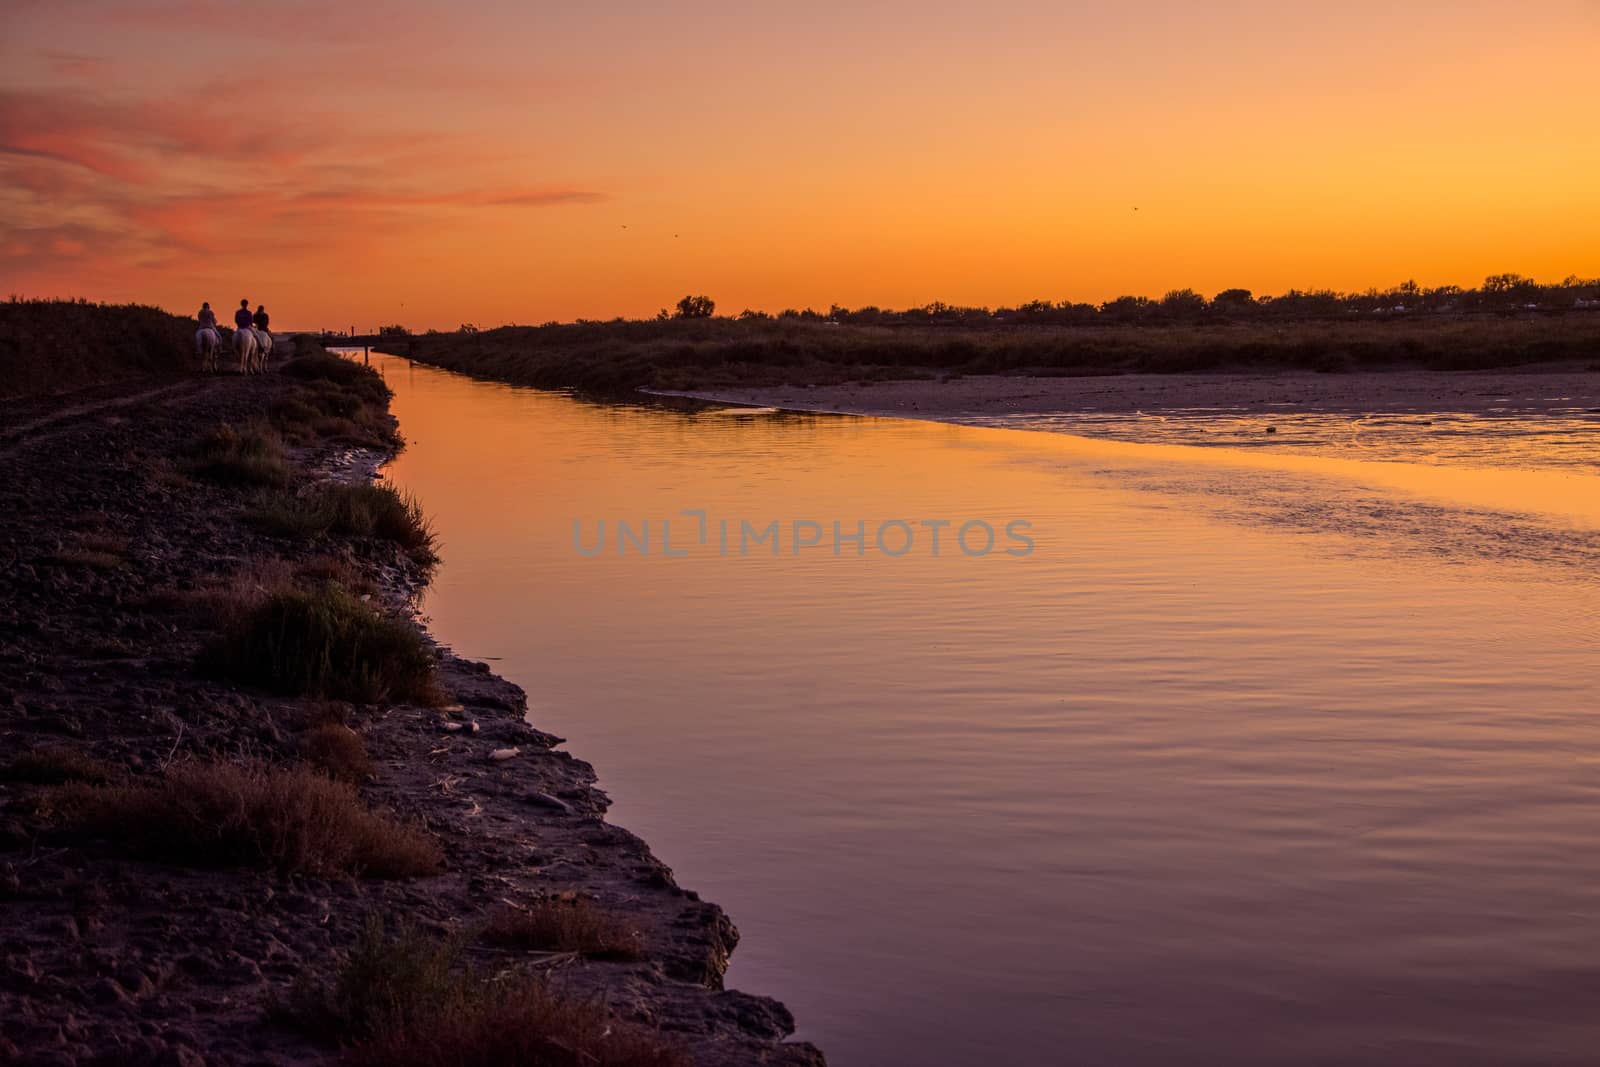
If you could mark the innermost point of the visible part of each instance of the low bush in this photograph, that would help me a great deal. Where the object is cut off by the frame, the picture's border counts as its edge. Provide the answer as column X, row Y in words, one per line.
column 323, row 642
column 293, row 821
column 323, row 409
column 351, row 377
column 294, row 418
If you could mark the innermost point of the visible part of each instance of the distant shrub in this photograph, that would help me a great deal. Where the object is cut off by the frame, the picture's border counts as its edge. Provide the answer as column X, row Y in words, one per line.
column 226, row 815
column 678, row 353
column 696, row 307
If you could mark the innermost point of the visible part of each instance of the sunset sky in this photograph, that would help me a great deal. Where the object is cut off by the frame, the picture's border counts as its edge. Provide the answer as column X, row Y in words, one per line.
column 433, row 163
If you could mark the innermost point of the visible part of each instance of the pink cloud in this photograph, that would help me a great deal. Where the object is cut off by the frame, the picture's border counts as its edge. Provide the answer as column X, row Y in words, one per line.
column 95, row 184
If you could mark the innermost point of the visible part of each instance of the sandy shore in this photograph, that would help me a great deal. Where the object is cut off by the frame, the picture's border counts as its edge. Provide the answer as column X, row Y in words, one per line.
column 1544, row 390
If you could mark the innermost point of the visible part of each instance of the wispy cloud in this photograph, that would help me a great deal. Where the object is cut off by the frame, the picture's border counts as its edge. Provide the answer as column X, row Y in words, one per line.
column 91, row 180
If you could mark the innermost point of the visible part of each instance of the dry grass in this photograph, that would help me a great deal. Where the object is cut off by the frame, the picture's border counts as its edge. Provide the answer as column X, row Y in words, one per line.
column 92, row 559
column 567, row 923
column 337, row 751
column 228, row 815
column 524, row 1023
column 322, row 642
column 405, row 999
column 317, row 570
column 55, row 766
column 96, row 551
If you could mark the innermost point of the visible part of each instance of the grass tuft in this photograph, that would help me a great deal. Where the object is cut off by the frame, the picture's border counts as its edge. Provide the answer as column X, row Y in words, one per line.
column 565, row 924
column 324, row 642
column 385, row 980
column 378, row 511
column 405, row 1001
column 524, row 1023
column 239, row 455
column 294, row 821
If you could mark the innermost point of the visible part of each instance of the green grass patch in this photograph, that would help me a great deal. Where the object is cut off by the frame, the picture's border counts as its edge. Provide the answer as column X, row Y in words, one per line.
column 249, row 455
column 323, row 642
column 377, row 511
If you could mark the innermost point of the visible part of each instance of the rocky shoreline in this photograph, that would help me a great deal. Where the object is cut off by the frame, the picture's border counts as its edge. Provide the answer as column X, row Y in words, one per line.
column 116, row 555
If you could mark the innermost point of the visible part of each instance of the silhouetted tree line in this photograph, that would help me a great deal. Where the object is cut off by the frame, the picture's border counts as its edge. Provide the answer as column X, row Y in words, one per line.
column 1502, row 293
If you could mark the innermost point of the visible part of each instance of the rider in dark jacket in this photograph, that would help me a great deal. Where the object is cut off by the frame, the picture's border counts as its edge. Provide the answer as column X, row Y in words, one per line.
column 260, row 319
column 241, row 318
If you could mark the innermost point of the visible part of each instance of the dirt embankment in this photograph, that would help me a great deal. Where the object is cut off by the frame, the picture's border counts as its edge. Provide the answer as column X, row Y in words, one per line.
column 250, row 815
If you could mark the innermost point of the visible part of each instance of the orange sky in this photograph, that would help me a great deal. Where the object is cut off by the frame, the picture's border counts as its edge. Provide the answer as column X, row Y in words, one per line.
column 435, row 163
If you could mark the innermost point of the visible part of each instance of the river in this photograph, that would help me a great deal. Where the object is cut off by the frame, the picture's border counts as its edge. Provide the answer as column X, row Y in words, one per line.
column 1213, row 755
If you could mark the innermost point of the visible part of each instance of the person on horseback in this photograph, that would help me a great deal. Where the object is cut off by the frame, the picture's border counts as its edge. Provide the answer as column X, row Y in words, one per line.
column 260, row 319
column 208, row 318
column 242, row 318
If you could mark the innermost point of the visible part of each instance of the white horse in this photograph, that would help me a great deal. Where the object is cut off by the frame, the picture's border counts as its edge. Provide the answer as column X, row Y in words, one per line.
column 206, row 343
column 246, row 349
column 264, row 345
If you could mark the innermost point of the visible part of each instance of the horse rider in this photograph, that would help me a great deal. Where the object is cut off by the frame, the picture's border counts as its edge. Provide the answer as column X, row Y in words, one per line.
column 260, row 320
column 242, row 318
column 208, row 318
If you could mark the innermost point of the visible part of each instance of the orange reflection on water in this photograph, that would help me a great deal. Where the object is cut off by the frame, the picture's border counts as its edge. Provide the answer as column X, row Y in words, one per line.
column 1255, row 759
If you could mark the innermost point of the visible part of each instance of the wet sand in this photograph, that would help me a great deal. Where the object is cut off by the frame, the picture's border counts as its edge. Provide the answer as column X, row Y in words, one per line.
column 1534, row 391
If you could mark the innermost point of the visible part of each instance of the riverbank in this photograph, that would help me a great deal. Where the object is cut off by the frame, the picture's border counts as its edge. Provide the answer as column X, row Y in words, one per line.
column 251, row 814
column 1546, row 389
column 710, row 354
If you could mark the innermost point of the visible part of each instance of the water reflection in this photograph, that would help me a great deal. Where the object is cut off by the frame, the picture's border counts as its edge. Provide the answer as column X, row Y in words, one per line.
column 1193, row 782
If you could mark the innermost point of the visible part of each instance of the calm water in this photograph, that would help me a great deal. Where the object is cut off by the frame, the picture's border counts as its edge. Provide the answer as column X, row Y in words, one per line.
column 1256, row 758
